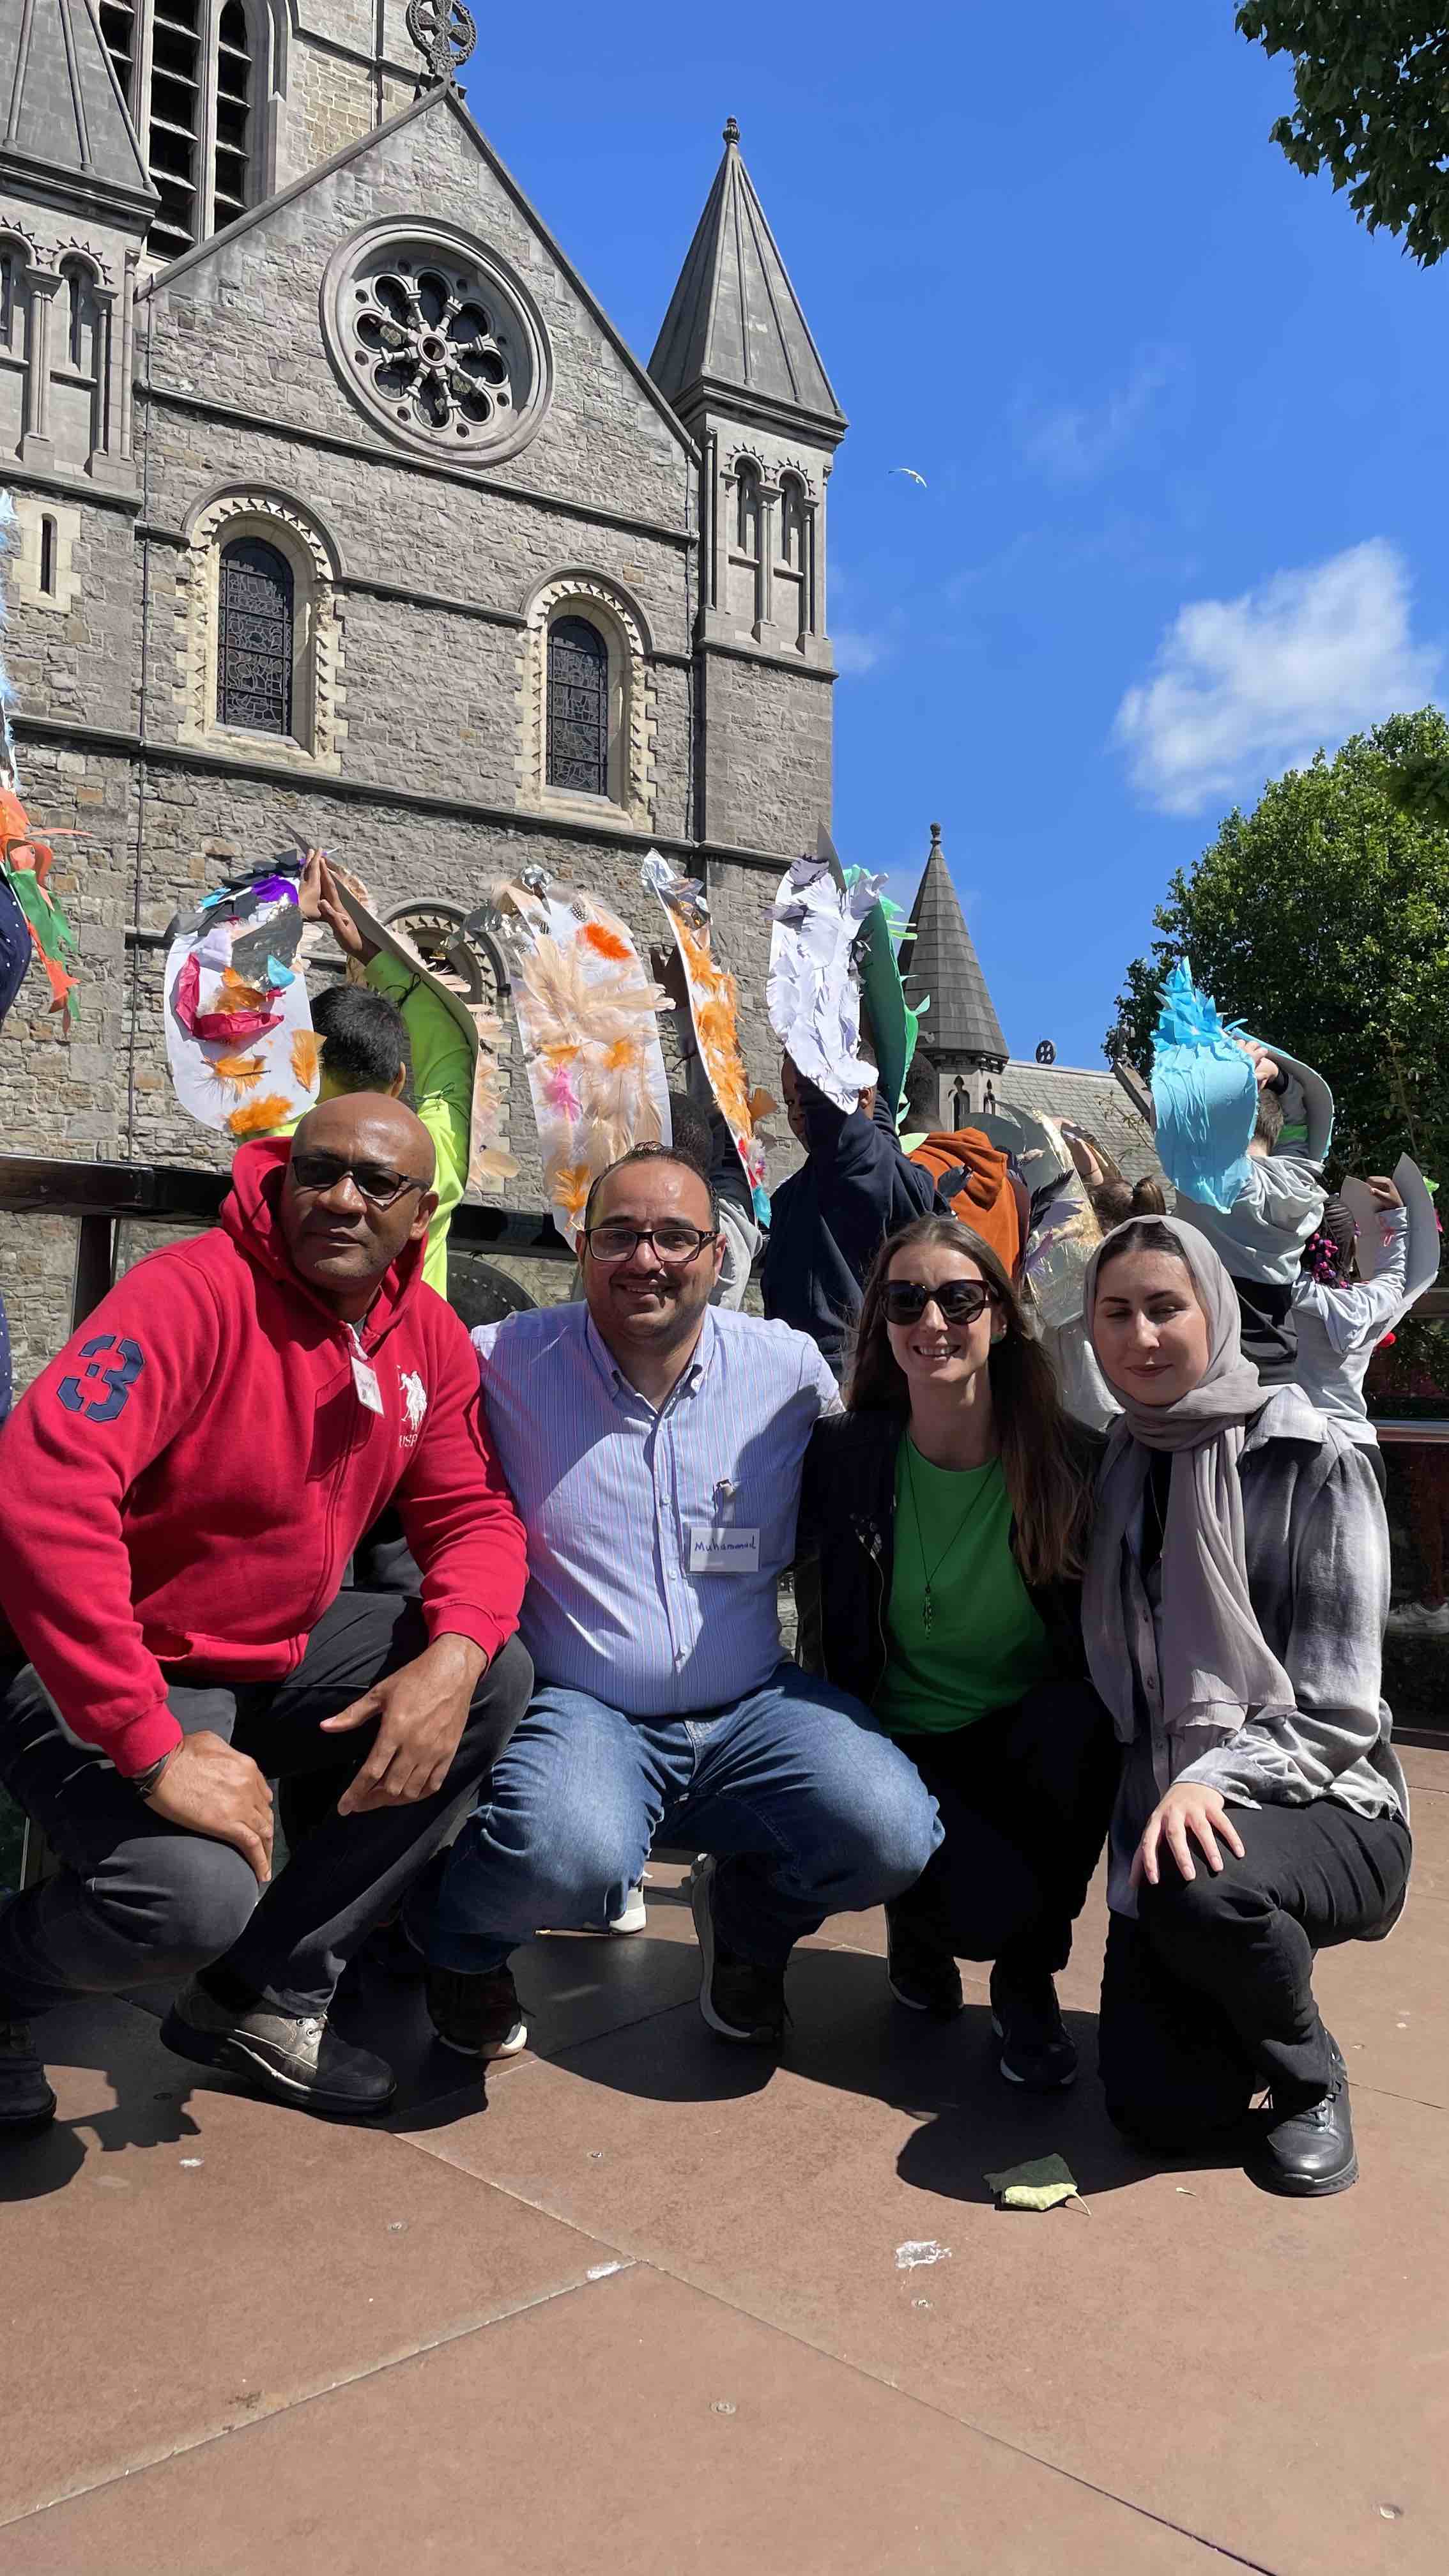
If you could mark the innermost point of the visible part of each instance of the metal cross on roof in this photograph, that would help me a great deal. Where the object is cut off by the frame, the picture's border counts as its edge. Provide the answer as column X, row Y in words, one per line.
column 445, row 35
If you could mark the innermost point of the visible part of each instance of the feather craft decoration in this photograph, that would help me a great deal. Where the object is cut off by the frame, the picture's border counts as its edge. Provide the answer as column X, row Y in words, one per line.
column 1205, row 1094
column 813, row 994
column 714, row 1010
column 588, row 1016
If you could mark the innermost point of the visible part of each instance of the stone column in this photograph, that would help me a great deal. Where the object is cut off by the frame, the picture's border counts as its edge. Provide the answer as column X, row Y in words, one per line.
column 37, row 447
column 765, row 591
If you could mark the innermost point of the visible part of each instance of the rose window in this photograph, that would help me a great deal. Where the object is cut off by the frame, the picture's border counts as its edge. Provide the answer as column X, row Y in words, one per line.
column 440, row 344
column 429, row 346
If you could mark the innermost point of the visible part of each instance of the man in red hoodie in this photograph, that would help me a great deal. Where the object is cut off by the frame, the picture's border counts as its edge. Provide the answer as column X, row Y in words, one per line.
column 180, row 1492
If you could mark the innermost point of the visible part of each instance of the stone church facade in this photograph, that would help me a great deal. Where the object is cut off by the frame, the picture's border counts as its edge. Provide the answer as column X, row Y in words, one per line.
column 346, row 517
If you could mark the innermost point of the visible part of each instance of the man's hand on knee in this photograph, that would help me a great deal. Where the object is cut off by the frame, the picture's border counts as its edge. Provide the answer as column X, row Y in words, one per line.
column 210, row 1789
column 420, row 1713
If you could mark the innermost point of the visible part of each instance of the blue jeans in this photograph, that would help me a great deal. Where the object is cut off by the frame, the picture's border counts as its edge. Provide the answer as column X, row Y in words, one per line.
column 810, row 1807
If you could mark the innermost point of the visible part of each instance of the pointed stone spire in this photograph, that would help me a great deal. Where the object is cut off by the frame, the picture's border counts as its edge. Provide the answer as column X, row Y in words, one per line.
column 64, row 130
column 735, row 334
column 937, row 958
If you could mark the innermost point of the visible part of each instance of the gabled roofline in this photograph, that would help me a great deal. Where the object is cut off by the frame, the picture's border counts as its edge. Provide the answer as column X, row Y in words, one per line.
column 350, row 152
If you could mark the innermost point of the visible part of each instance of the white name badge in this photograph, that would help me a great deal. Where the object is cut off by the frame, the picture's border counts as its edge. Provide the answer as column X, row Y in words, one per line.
column 724, row 1550
column 364, row 1379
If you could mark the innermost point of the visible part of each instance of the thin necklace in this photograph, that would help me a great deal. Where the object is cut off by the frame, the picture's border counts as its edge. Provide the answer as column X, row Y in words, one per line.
column 928, row 1606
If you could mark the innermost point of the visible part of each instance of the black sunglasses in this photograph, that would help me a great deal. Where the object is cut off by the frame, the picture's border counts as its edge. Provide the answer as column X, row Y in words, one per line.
column 960, row 1300
column 377, row 1182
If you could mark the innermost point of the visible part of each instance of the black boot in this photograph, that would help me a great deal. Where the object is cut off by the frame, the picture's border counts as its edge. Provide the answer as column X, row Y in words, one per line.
column 1306, row 2155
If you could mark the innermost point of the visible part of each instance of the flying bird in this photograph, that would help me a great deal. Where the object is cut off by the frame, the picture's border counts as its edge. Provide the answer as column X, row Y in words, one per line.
column 911, row 471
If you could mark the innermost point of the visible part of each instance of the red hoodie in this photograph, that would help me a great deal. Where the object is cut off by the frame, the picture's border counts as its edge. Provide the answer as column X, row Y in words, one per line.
column 185, row 1483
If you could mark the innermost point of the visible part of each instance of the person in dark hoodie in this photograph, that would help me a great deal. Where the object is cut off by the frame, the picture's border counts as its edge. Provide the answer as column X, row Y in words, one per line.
column 183, row 1487
column 829, row 1219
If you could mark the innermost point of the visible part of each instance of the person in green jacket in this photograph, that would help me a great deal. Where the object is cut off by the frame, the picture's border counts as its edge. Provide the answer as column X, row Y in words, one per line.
column 362, row 1048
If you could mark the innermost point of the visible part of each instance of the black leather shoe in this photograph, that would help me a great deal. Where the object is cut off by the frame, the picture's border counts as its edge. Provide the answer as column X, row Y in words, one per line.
column 1307, row 2155
column 1027, row 2019
column 922, row 1976
column 738, row 1998
column 291, row 2057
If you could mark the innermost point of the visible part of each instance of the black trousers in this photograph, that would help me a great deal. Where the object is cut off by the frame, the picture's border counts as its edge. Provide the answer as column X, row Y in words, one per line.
column 138, row 1898
column 1025, row 1796
column 1208, row 1996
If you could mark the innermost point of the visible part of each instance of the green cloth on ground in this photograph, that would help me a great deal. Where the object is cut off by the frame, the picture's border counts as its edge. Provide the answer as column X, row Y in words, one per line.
column 1040, row 2184
column 986, row 1647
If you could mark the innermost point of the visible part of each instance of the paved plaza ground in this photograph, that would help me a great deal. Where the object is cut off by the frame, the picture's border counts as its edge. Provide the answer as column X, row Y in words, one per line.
column 644, row 2307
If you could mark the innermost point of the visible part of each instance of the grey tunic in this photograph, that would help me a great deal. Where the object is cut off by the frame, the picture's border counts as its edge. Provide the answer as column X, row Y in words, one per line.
column 1317, row 1547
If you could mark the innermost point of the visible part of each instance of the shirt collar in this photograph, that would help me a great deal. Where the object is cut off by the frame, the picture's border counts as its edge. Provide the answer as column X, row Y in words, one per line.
column 614, row 1381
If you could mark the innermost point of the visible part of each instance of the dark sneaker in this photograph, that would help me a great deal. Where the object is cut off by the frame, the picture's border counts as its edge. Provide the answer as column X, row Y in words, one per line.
column 1307, row 2155
column 291, row 2057
column 480, row 2015
column 923, row 1976
column 738, row 1999
column 27, row 2103
column 1027, row 2019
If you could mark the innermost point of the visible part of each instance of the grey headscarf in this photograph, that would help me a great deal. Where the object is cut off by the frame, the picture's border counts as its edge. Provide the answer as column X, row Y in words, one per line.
column 1216, row 1668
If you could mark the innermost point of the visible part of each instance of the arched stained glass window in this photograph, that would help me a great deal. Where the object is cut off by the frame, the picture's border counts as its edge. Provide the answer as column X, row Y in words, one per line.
column 578, row 707
column 254, row 638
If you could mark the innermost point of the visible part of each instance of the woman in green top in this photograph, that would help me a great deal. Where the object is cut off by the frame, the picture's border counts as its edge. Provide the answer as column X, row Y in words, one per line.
column 945, row 1519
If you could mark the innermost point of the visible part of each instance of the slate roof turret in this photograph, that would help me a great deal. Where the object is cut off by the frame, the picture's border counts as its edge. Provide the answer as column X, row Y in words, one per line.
column 64, row 130
column 937, row 958
column 735, row 332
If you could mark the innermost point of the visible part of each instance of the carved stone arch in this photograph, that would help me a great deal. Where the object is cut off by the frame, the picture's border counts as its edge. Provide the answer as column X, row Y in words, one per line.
column 86, row 254
column 633, row 716
column 318, row 726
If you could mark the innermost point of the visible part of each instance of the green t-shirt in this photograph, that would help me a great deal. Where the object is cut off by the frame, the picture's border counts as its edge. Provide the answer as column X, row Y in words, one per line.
column 985, row 1645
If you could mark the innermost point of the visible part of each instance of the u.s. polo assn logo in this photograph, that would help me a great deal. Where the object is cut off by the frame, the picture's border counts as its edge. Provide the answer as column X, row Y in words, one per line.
column 415, row 1399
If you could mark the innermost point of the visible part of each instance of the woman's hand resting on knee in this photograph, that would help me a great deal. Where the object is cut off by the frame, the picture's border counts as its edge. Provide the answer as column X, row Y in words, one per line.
column 1187, row 1810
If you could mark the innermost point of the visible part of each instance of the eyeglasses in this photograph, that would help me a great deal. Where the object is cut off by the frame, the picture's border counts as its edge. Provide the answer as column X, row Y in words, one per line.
column 376, row 1182
column 960, row 1300
column 675, row 1245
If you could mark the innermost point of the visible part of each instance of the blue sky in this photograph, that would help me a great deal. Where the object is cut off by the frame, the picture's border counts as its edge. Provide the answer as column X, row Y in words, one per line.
column 1184, row 424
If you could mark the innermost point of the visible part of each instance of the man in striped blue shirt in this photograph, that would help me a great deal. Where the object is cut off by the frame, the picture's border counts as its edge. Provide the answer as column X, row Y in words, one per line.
column 653, row 1445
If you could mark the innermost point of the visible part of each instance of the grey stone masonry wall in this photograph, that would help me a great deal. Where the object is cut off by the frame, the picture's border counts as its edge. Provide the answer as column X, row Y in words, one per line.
column 766, row 754
column 242, row 313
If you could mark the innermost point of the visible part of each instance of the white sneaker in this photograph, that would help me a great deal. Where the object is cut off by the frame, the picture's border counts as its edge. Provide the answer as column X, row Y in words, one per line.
column 635, row 1914
column 1420, row 1620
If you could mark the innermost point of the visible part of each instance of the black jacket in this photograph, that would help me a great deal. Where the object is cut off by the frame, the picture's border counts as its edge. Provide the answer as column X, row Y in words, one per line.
column 846, row 1553
column 829, row 1219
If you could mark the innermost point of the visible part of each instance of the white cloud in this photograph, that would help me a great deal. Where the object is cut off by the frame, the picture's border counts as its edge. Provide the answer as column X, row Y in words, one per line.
column 1244, row 688
column 856, row 650
column 1074, row 442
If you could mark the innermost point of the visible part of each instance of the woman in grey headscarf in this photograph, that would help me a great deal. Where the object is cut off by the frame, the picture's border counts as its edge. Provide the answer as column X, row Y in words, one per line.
column 1234, row 1609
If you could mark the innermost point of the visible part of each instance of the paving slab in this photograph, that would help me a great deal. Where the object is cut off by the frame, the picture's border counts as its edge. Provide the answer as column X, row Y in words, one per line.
column 1270, row 2375
column 179, row 2258
column 635, row 2419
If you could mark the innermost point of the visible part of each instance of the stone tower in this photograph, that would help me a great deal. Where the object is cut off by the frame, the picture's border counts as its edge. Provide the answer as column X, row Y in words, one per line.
column 960, row 1037
column 346, row 517
column 233, row 99
column 737, row 362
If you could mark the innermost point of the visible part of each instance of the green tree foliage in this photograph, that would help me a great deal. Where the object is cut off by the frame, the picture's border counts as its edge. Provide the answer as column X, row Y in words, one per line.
column 1321, row 920
column 1371, row 80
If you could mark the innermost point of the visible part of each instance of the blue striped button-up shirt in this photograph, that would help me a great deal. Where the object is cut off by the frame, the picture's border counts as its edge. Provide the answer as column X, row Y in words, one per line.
column 611, row 1492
